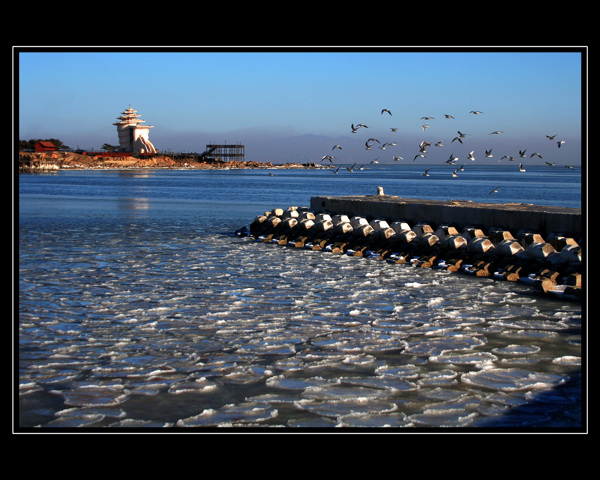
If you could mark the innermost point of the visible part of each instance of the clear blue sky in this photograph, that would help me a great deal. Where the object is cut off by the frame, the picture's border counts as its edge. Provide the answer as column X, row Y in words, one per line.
column 267, row 99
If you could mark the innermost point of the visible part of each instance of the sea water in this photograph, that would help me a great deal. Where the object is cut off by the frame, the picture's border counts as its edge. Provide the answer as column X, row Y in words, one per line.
column 138, row 308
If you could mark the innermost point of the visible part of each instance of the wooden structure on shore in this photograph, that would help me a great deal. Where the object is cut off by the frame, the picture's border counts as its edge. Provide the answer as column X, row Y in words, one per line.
column 226, row 153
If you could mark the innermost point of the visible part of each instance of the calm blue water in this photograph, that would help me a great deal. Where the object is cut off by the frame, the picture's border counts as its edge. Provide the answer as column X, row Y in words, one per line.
column 138, row 308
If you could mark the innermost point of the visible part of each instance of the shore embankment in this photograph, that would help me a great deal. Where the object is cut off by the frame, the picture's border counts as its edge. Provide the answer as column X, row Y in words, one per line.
column 40, row 162
column 551, row 264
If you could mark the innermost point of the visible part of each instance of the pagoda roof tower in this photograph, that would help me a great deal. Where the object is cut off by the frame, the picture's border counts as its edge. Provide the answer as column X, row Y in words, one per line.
column 133, row 137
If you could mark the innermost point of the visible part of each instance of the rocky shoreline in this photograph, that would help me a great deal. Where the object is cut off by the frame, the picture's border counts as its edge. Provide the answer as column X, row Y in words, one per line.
column 32, row 162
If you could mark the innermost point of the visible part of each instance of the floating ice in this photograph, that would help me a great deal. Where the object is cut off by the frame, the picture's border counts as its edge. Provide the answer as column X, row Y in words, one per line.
column 382, row 382
column 341, row 408
column 473, row 358
column 508, row 380
column 517, row 350
column 228, row 415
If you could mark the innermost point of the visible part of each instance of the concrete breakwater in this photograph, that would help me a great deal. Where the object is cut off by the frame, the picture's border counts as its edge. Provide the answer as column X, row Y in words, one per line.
column 547, row 256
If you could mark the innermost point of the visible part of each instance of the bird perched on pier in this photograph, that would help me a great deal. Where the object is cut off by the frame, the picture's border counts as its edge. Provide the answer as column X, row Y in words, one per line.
column 386, row 110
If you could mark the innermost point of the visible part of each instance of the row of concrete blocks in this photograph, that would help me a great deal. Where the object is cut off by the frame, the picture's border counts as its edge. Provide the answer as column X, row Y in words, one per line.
column 379, row 238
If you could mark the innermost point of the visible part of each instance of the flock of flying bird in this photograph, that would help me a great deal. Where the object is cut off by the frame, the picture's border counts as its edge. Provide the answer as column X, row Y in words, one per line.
column 424, row 145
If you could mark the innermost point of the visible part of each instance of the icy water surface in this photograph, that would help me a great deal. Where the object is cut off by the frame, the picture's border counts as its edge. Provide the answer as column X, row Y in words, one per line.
column 145, row 311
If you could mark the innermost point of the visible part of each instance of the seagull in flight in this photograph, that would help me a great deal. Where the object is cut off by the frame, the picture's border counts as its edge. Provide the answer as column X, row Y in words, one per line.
column 535, row 155
column 510, row 159
column 495, row 190
column 475, row 112
column 521, row 169
column 569, row 167
column 471, row 157
column 522, row 153
column 327, row 157
column 427, row 118
column 549, row 137
column 355, row 129
column 336, row 170
column 393, row 129
column 452, row 159
column 371, row 140
column 497, row 132
column 448, row 116
column 397, row 159
column 424, row 127
column 454, row 174
column 550, row 164
column 488, row 153
column 351, row 169
column 337, row 146
column 418, row 155
column 386, row 110
column 440, row 143
column 559, row 143
column 460, row 135
column 425, row 174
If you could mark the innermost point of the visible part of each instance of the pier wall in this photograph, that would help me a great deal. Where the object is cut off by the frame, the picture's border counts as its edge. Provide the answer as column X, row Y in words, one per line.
column 514, row 217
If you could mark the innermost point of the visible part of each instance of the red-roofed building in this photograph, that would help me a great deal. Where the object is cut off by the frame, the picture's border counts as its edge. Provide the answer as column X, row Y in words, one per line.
column 42, row 147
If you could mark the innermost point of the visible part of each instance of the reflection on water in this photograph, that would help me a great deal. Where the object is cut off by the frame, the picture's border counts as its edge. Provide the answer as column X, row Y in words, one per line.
column 134, row 203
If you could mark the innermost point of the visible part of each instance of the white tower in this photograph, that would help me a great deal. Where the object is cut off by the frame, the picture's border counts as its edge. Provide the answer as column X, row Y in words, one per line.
column 133, row 137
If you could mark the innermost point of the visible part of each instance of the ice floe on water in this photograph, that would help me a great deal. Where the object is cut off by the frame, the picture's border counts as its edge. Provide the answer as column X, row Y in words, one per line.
column 213, row 332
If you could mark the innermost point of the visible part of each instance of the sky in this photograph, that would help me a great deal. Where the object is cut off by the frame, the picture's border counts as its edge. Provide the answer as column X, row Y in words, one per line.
column 295, row 105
